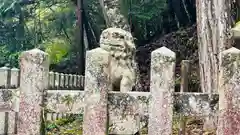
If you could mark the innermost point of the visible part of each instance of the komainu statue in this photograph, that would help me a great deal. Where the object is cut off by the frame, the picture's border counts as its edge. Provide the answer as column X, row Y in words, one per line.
column 120, row 44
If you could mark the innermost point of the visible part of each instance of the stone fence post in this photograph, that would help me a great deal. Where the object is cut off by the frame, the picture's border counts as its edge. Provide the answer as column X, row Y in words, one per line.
column 97, row 85
column 229, row 93
column 34, row 69
column 161, row 88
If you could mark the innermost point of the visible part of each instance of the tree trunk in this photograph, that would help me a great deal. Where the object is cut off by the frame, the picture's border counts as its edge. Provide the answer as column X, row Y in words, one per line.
column 80, row 38
column 85, row 39
column 112, row 14
column 104, row 11
column 91, row 37
column 213, row 26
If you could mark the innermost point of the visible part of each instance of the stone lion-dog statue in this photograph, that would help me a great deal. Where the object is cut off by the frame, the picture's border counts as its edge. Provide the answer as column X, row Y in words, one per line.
column 120, row 44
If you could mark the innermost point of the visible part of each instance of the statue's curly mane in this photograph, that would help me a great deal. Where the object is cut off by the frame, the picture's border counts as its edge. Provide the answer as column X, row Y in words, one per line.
column 118, row 42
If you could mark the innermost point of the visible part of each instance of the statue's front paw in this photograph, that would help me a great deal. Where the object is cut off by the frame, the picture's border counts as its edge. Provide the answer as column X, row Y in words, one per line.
column 126, row 85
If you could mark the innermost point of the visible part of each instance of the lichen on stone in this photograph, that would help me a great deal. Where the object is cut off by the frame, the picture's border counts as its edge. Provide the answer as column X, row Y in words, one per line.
column 122, row 66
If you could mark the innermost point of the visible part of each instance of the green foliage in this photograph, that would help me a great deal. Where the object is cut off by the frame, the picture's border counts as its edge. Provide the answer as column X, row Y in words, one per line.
column 68, row 100
column 10, row 8
column 59, row 122
column 67, row 126
column 45, row 24
column 146, row 16
column 8, row 58
column 237, row 25
column 57, row 49
column 96, row 18
column 4, row 52
column 147, row 10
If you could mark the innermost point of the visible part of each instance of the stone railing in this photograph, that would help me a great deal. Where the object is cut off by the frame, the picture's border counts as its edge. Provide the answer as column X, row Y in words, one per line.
column 106, row 111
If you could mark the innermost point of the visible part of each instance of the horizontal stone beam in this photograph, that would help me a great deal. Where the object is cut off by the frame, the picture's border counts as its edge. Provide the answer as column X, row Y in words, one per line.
column 133, row 106
column 64, row 101
column 193, row 104
column 125, row 109
column 128, row 111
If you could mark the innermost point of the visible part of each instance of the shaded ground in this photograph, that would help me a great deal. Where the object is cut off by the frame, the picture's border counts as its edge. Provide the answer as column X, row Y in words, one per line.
column 62, row 127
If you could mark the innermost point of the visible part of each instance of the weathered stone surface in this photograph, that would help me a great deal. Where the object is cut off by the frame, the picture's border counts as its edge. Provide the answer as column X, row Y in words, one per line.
column 34, row 80
column 15, row 75
column 9, row 100
column 4, row 74
column 161, row 88
column 229, row 93
column 128, row 112
column 195, row 104
column 185, row 73
column 115, row 18
column 51, row 80
column 185, row 70
column 11, row 122
column 97, row 85
column 64, row 101
column 188, row 104
column 119, row 43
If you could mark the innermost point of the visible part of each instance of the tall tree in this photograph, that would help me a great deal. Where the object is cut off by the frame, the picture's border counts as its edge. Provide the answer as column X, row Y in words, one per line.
column 80, row 37
column 112, row 14
column 213, row 27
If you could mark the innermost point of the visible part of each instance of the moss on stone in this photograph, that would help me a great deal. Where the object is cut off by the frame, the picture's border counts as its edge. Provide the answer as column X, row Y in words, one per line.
column 194, row 126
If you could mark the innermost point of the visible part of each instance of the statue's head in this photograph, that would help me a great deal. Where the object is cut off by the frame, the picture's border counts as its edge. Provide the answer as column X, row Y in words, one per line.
column 117, row 40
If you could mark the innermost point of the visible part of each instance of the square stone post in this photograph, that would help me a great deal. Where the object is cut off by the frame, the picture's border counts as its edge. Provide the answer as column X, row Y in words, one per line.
column 229, row 93
column 97, row 85
column 34, row 68
column 161, row 89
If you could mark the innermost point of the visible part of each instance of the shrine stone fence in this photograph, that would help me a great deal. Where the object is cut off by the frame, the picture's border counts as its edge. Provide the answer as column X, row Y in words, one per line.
column 32, row 94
